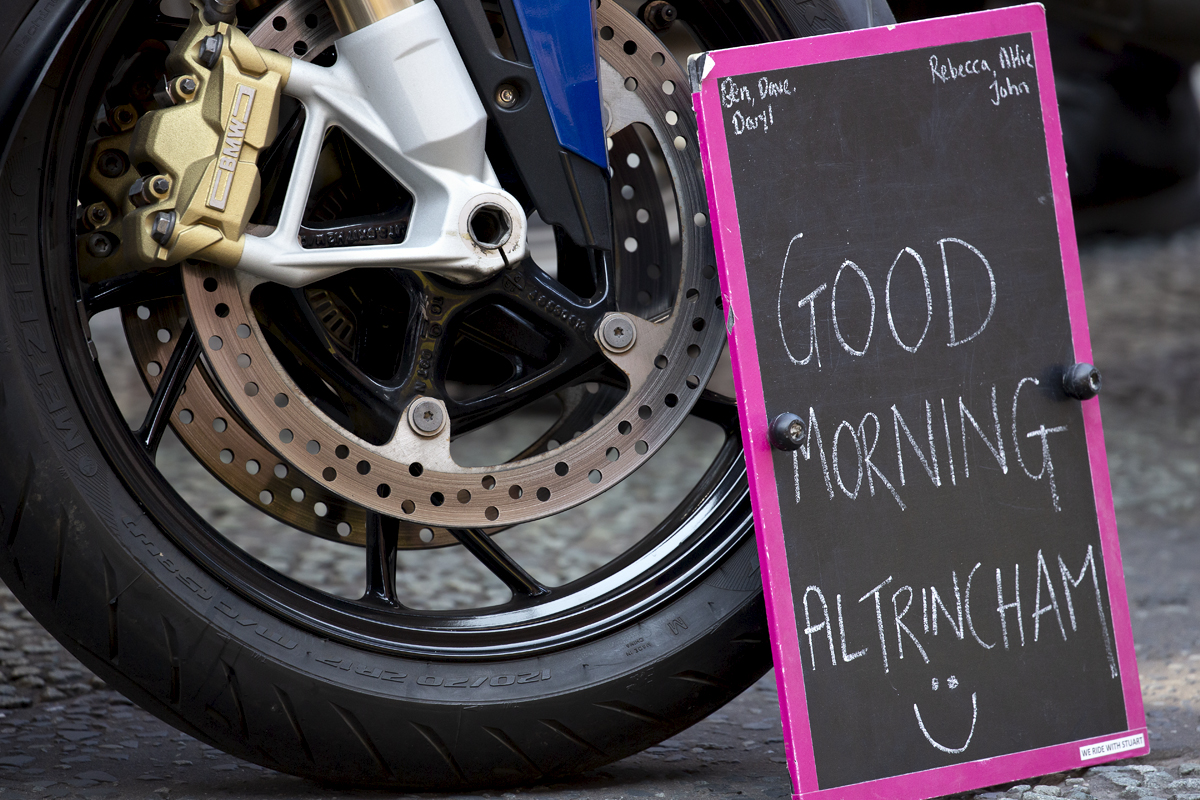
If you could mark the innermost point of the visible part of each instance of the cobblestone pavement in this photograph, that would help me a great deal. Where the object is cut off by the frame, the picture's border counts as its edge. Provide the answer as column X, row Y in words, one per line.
column 63, row 734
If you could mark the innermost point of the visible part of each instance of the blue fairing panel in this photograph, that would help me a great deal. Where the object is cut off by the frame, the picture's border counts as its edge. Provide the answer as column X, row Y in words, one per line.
column 561, row 42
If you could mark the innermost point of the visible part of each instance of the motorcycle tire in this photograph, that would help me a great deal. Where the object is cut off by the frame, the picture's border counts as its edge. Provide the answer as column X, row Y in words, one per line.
column 110, row 559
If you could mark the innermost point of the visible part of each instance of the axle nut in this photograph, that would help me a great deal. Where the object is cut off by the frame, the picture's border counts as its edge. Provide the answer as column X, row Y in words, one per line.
column 617, row 333
column 426, row 417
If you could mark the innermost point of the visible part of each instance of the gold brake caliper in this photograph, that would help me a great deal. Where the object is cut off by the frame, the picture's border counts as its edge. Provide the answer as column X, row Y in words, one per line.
column 197, row 181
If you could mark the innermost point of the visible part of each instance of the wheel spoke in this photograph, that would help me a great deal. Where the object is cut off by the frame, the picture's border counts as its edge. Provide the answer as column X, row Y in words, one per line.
column 717, row 24
column 539, row 327
column 183, row 358
column 164, row 27
column 382, row 535
column 498, row 562
column 558, row 308
column 717, row 409
column 171, row 26
column 579, row 410
column 544, row 331
column 475, row 413
column 130, row 289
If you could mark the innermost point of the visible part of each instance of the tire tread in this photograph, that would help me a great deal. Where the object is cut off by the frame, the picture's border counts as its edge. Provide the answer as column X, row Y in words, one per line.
column 60, row 546
column 289, row 711
column 506, row 740
column 171, row 638
column 235, row 694
column 14, row 523
column 112, row 597
column 439, row 745
column 630, row 710
column 571, row 736
column 365, row 740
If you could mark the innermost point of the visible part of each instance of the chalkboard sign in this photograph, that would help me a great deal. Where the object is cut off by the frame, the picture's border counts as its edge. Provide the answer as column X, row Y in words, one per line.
column 899, row 271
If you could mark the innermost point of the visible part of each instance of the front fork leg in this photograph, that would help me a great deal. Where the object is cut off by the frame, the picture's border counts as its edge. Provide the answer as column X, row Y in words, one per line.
column 556, row 144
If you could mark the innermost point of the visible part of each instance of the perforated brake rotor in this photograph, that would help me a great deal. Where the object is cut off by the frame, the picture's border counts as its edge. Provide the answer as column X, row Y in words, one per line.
column 414, row 478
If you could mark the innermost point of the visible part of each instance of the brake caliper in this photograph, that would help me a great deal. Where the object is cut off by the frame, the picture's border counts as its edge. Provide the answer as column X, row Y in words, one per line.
column 197, row 181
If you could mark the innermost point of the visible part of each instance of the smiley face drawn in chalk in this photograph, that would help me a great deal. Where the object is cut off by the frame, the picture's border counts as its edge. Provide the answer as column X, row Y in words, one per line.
column 951, row 683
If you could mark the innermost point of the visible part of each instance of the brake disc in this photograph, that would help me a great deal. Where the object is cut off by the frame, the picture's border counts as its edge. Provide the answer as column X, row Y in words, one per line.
column 324, row 468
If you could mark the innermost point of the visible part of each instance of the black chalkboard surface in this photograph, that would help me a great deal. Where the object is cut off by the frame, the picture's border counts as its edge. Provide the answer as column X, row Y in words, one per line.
column 899, row 271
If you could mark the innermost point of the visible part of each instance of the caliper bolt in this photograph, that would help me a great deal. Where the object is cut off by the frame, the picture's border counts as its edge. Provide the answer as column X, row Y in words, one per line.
column 426, row 417
column 506, row 96
column 185, row 87
column 659, row 15
column 112, row 163
column 210, row 50
column 145, row 191
column 99, row 245
column 97, row 215
column 124, row 117
column 617, row 333
column 787, row 432
column 162, row 227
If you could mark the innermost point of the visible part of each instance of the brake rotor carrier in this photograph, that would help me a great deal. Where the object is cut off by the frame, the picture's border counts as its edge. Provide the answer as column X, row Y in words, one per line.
column 414, row 478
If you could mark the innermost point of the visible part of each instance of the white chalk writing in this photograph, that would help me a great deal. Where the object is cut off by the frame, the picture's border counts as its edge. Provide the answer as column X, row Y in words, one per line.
column 854, row 453
column 944, row 70
column 901, row 636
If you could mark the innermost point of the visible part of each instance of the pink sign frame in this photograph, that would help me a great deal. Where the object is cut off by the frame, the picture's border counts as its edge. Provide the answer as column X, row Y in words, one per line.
column 780, row 603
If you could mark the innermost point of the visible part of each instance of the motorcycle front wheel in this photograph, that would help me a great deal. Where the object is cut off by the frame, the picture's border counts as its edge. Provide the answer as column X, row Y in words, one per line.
column 439, row 688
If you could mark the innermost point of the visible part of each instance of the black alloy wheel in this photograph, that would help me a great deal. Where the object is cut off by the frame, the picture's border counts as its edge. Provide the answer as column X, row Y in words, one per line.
column 110, row 556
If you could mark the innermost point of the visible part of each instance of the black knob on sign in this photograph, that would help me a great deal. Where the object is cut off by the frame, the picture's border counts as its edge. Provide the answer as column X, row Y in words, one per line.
column 1081, row 381
column 787, row 432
